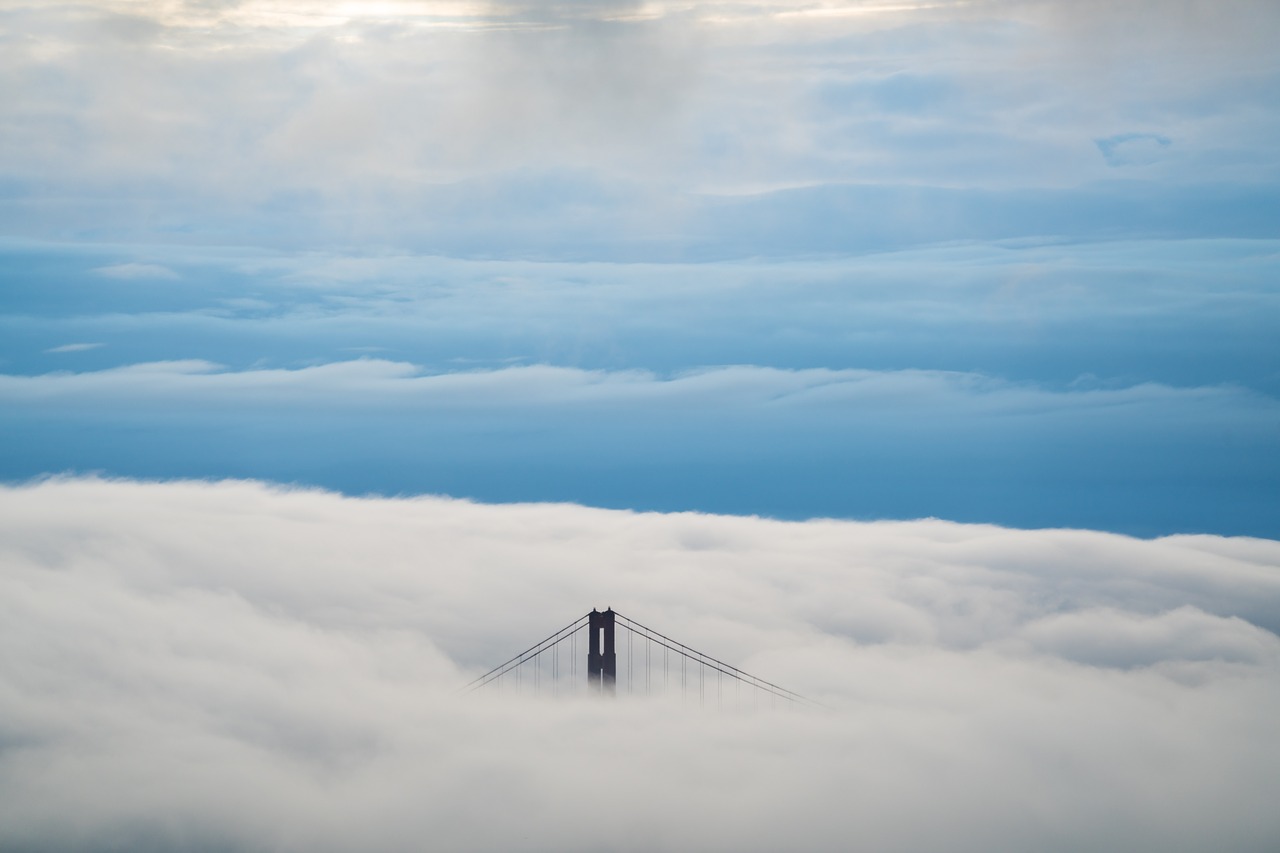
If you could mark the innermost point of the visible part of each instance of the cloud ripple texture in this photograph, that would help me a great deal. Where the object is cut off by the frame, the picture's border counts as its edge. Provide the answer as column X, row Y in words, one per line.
column 235, row 666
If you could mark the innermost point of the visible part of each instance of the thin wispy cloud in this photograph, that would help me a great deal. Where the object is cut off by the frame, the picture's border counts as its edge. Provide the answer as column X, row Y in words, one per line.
column 78, row 347
column 138, row 272
column 372, row 380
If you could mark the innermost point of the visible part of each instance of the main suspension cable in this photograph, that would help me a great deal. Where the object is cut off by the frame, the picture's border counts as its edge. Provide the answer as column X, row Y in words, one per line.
column 502, row 668
column 728, row 669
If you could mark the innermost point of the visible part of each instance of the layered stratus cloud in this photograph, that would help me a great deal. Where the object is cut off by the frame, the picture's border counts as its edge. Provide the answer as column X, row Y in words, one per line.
column 1145, row 458
column 1178, row 312
column 1128, row 386
column 225, row 665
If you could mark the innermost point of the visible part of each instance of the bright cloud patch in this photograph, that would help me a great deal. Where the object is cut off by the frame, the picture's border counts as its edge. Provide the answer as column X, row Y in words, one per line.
column 137, row 271
column 78, row 347
column 189, row 666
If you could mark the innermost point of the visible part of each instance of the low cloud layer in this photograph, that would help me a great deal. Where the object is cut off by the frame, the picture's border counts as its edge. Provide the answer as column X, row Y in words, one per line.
column 371, row 382
column 1146, row 458
column 192, row 666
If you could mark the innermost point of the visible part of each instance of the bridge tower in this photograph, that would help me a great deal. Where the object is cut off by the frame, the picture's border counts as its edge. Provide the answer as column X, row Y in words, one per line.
column 602, row 660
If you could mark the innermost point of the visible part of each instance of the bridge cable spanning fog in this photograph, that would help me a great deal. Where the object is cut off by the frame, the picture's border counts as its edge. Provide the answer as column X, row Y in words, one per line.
column 653, row 664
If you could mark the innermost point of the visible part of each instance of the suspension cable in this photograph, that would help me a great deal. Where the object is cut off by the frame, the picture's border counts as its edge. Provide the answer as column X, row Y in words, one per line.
column 687, row 653
column 502, row 668
column 728, row 668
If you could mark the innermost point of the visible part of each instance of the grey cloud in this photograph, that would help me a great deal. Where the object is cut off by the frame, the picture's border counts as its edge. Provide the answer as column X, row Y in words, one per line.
column 250, row 112
column 561, row 11
column 1133, row 149
column 1110, row 638
column 1234, row 31
column 192, row 665
column 377, row 129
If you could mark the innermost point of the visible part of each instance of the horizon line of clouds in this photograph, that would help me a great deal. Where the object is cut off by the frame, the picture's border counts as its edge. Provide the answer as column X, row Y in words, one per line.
column 372, row 380
column 1146, row 458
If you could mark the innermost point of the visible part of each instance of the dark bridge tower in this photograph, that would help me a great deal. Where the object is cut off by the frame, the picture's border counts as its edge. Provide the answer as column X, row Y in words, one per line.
column 602, row 660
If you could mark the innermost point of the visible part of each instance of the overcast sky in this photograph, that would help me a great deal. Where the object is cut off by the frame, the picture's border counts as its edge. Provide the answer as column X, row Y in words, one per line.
column 918, row 356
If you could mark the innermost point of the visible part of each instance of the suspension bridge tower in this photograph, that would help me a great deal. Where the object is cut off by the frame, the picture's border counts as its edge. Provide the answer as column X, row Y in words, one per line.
column 602, row 659
column 651, row 662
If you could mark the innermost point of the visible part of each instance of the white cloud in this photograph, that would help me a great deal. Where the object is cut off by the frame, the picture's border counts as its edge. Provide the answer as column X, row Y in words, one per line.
column 860, row 394
column 186, row 665
column 135, row 271
column 1107, row 637
column 79, row 347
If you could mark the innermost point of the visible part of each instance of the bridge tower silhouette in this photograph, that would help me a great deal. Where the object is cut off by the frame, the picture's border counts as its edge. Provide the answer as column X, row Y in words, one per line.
column 653, row 665
column 602, row 656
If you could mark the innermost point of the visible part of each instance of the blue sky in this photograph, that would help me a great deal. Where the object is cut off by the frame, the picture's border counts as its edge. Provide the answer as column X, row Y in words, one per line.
column 1009, row 262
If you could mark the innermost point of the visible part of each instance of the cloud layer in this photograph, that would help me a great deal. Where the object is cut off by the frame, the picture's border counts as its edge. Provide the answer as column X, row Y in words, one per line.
column 596, row 129
column 1144, row 458
column 192, row 665
column 1128, row 386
